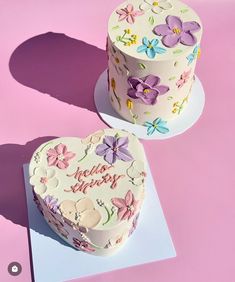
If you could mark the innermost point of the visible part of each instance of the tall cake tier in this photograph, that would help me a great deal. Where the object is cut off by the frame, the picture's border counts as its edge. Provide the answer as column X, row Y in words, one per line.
column 152, row 48
column 90, row 190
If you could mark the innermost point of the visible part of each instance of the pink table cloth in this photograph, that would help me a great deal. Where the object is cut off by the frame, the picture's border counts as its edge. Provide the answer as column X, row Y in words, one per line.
column 46, row 88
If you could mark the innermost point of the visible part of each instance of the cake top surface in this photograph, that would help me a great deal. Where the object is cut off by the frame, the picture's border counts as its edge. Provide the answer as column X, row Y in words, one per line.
column 154, row 30
column 96, row 182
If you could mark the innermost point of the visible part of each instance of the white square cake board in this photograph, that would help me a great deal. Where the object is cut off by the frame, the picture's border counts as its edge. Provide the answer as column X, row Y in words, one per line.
column 54, row 260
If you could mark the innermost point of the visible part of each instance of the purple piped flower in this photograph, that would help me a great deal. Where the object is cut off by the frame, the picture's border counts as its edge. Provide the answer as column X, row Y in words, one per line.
column 146, row 89
column 51, row 203
column 175, row 31
column 113, row 149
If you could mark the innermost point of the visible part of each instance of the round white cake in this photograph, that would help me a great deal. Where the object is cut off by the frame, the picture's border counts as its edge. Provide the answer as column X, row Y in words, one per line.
column 152, row 48
column 90, row 190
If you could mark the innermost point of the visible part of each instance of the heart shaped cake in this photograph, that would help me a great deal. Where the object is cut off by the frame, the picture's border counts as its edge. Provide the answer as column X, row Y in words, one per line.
column 90, row 190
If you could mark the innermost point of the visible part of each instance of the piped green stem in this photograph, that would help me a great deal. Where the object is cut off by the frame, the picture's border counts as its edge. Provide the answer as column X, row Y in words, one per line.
column 118, row 100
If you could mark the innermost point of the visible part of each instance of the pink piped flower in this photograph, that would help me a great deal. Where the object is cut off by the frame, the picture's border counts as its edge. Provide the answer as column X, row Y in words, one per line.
column 183, row 78
column 59, row 156
column 126, row 207
column 128, row 14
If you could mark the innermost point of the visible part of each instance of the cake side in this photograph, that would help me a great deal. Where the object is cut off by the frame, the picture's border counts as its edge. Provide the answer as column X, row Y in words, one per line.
column 90, row 190
column 150, row 78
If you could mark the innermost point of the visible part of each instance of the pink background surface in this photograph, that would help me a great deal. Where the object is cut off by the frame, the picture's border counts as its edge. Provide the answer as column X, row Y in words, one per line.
column 46, row 89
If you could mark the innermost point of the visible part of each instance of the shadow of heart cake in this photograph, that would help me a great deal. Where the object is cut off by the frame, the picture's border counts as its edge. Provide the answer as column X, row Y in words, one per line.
column 90, row 191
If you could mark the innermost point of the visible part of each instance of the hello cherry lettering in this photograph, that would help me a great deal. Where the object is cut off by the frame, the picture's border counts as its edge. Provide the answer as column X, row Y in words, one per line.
column 81, row 175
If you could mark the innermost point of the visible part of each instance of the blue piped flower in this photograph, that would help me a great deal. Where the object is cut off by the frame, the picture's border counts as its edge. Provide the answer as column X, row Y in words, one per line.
column 150, row 47
column 196, row 54
column 157, row 125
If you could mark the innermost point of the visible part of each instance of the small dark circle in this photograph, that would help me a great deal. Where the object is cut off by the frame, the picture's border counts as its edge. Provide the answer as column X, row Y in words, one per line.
column 14, row 268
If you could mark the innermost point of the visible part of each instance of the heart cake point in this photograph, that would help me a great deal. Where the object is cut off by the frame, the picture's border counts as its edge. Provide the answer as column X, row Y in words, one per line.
column 90, row 191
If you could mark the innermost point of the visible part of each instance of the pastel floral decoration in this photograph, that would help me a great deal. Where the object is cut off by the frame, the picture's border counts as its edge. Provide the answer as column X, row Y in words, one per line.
column 129, row 104
column 196, row 54
column 113, row 149
column 117, row 240
column 151, row 48
column 146, row 89
column 183, row 78
column 51, row 203
column 127, row 207
column 113, row 84
column 157, row 125
column 134, row 224
column 137, row 172
column 156, row 7
column 175, row 31
column 127, row 38
column 179, row 106
column 62, row 230
column 128, row 14
column 81, row 213
column 37, row 157
column 82, row 245
column 43, row 180
column 93, row 138
column 59, row 156
column 119, row 60
column 56, row 224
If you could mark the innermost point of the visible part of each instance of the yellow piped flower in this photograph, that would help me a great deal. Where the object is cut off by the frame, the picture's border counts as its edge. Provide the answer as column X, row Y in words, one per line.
column 129, row 104
column 199, row 53
column 127, row 31
column 113, row 84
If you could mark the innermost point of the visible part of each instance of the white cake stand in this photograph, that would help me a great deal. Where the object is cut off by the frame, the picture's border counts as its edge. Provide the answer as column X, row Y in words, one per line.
column 186, row 120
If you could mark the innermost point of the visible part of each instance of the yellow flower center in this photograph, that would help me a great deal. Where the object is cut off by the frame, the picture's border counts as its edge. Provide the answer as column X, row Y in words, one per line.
column 150, row 46
column 176, row 30
column 155, row 125
column 113, row 84
column 117, row 60
column 155, row 3
column 60, row 157
column 146, row 91
column 130, row 208
column 199, row 53
column 129, row 104
column 43, row 180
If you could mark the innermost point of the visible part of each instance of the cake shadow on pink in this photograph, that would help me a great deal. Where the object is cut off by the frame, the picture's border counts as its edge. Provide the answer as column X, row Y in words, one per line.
column 12, row 193
column 63, row 67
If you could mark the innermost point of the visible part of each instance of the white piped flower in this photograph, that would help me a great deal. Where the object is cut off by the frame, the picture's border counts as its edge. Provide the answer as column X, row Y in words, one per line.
column 156, row 6
column 43, row 179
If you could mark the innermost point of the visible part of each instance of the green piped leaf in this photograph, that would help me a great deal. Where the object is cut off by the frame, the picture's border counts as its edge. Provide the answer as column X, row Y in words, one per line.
column 177, row 51
column 172, row 78
column 115, row 27
column 151, row 20
column 118, row 38
column 142, row 66
column 184, row 11
column 147, row 113
column 169, row 98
